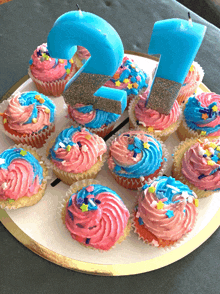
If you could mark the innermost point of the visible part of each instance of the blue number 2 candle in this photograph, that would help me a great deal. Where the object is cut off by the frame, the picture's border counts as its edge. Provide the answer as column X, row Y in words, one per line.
column 106, row 49
column 177, row 41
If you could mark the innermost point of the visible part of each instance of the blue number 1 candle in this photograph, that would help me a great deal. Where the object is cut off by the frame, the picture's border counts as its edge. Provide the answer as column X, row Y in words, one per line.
column 177, row 41
column 106, row 49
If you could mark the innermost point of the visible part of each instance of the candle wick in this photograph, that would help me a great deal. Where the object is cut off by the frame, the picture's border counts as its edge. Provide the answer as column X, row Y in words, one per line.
column 80, row 11
column 190, row 19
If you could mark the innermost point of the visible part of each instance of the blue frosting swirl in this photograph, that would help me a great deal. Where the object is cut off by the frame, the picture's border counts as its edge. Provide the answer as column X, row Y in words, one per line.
column 64, row 139
column 28, row 98
column 97, row 189
column 151, row 159
column 101, row 117
column 193, row 116
column 11, row 154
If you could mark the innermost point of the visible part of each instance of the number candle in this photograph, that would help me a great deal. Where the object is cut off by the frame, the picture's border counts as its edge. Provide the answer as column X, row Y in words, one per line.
column 177, row 41
column 106, row 49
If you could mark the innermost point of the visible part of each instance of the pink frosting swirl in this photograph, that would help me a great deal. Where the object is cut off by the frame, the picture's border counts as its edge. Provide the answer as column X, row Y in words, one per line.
column 17, row 180
column 80, row 159
column 157, row 222
column 152, row 118
column 17, row 115
column 193, row 75
column 79, row 117
column 82, row 53
column 48, row 70
column 103, row 227
column 194, row 165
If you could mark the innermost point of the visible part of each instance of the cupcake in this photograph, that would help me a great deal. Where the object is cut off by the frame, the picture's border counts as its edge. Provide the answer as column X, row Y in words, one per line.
column 22, row 177
column 50, row 75
column 196, row 163
column 200, row 116
column 96, row 216
column 152, row 121
column 76, row 154
column 28, row 118
column 128, row 77
column 166, row 211
column 97, row 121
column 191, row 82
column 135, row 156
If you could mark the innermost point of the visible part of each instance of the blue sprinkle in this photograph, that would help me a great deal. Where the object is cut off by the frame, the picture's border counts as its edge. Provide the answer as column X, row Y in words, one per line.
column 201, row 176
column 47, row 52
column 145, row 186
column 80, row 201
column 80, row 145
column 87, row 240
column 135, row 154
column 126, row 135
column 172, row 154
column 204, row 155
column 70, row 201
column 215, row 158
column 86, row 201
column 137, row 121
column 70, row 214
column 97, row 201
column 165, row 159
column 117, row 168
column 137, row 150
column 30, row 61
column 140, row 221
column 130, row 147
column 39, row 53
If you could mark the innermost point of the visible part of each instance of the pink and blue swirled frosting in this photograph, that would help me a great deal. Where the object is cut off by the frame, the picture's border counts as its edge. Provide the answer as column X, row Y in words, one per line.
column 134, row 154
column 96, row 216
column 20, row 174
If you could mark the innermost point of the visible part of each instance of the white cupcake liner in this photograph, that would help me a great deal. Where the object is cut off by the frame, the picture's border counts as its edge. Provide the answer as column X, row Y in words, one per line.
column 55, row 88
column 162, row 134
column 42, row 162
column 35, row 140
column 62, row 204
column 135, row 181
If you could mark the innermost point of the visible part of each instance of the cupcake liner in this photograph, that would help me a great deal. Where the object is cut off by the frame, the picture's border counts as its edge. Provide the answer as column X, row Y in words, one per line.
column 35, row 140
column 135, row 183
column 161, row 134
column 131, row 97
column 101, row 132
column 29, row 201
column 62, row 210
column 70, row 178
column 188, row 90
column 179, row 152
column 54, row 88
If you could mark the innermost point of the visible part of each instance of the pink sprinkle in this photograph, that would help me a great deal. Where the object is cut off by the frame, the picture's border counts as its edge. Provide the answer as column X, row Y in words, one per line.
column 154, row 203
column 90, row 196
column 138, row 214
column 155, row 243
column 138, row 78
column 90, row 189
column 164, row 199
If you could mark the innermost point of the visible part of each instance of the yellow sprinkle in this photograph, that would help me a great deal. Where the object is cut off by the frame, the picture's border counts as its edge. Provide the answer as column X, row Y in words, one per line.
column 146, row 145
column 34, row 120
column 213, row 145
column 47, row 57
column 151, row 189
column 203, row 133
column 208, row 153
column 117, row 83
column 88, row 137
column 215, row 108
column 196, row 202
column 4, row 121
column 37, row 97
column 218, row 148
column 210, row 162
column 68, row 147
column 47, row 110
column 150, row 129
column 198, row 140
column 71, row 60
column 129, row 86
column 61, row 61
column 160, row 205
column 67, row 70
column 126, row 81
column 191, row 68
